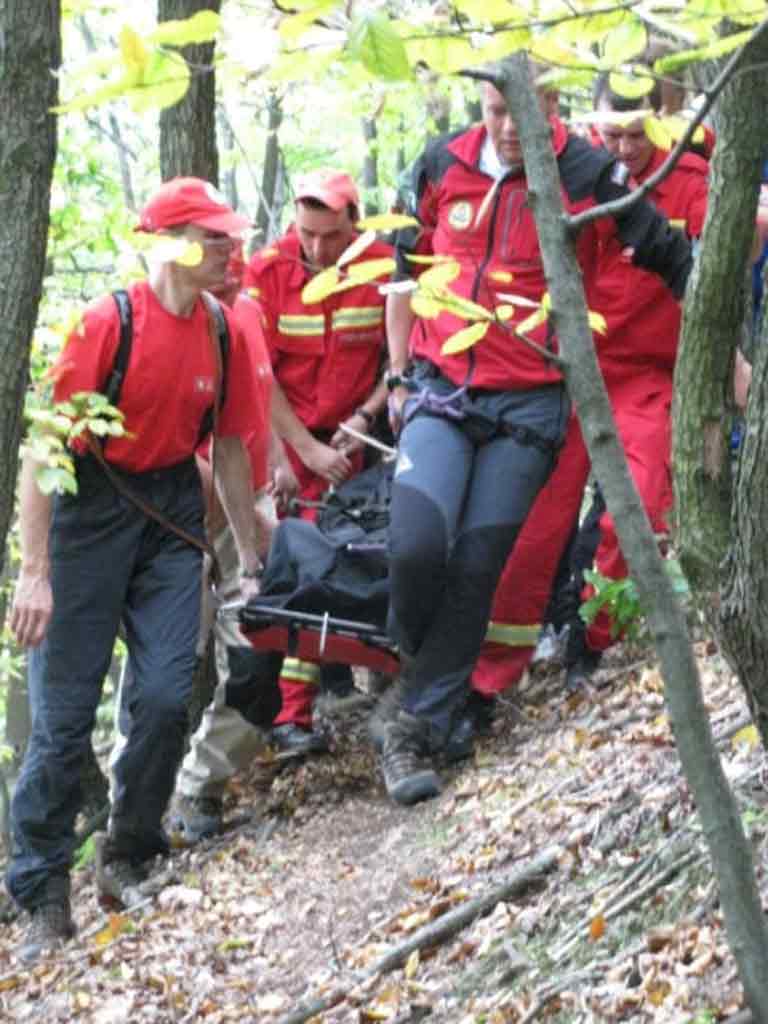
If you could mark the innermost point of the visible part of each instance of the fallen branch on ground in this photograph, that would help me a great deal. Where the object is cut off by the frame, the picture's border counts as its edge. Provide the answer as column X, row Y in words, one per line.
column 434, row 934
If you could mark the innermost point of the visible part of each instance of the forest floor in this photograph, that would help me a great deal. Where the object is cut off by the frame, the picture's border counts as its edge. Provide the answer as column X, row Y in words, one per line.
column 561, row 876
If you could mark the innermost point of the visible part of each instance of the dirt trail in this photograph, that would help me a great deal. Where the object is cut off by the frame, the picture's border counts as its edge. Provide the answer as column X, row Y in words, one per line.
column 321, row 876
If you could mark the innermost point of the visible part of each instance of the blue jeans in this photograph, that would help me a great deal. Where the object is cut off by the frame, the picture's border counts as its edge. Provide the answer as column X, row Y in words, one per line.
column 109, row 562
column 463, row 487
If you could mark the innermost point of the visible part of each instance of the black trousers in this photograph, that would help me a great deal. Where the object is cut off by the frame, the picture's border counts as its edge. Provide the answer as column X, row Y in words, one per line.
column 463, row 488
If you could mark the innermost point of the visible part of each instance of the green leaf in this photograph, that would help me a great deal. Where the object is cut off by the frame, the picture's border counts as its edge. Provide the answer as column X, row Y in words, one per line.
column 630, row 86
column 498, row 12
column 166, row 80
column 98, row 427
column 626, row 41
column 86, row 854
column 374, row 41
column 502, row 45
column 676, row 61
column 293, row 28
column 200, row 28
column 445, row 54
column 52, row 480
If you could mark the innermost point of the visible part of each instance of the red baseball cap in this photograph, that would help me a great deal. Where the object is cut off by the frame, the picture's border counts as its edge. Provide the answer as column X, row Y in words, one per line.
column 190, row 201
column 333, row 188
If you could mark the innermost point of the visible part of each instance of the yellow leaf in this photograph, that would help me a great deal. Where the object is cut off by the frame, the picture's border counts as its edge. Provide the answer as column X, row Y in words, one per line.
column 464, row 339
column 370, row 269
column 658, row 992
column 321, row 286
column 132, row 50
column 6, row 984
column 748, row 736
column 597, row 322
column 387, row 222
column 502, row 276
column 118, row 924
column 597, row 927
column 425, row 306
column 412, row 965
column 461, row 307
column 353, row 250
column 428, row 260
column 657, row 132
column 504, row 313
column 440, row 275
column 533, row 321
column 166, row 249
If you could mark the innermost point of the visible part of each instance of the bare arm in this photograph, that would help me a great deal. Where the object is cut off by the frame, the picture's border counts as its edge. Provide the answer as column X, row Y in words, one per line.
column 33, row 598
column 327, row 462
column 283, row 484
column 235, row 490
column 400, row 319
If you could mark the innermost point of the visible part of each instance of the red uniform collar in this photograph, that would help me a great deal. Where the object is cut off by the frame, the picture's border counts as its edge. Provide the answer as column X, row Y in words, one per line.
column 468, row 146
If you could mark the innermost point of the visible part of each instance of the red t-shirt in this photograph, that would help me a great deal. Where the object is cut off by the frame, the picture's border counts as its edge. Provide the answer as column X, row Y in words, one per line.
column 169, row 382
column 249, row 318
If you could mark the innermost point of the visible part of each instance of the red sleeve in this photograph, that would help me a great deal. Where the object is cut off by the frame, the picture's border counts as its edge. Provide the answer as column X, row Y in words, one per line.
column 261, row 291
column 242, row 401
column 89, row 354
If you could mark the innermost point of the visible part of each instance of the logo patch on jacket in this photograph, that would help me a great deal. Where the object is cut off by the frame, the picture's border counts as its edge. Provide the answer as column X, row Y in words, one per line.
column 204, row 384
column 460, row 215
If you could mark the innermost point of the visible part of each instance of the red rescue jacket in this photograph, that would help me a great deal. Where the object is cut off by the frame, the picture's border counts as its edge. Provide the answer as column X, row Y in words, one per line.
column 447, row 193
column 325, row 356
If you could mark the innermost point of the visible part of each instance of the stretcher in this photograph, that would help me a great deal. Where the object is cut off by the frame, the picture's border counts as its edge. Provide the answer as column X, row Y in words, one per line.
column 324, row 594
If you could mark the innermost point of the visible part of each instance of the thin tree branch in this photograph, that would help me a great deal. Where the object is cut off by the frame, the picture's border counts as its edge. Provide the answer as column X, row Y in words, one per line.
column 619, row 206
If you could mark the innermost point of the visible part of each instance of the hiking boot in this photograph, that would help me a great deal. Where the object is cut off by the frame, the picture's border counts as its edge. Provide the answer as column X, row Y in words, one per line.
column 406, row 777
column 50, row 924
column 197, row 817
column 476, row 719
column 578, row 674
column 384, row 712
column 292, row 739
column 118, row 878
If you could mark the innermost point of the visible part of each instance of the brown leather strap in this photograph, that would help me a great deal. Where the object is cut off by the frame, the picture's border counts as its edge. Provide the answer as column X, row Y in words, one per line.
column 149, row 510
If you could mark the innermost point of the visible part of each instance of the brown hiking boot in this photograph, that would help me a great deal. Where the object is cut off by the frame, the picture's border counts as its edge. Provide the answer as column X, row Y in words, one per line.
column 407, row 778
column 50, row 924
column 384, row 712
column 118, row 878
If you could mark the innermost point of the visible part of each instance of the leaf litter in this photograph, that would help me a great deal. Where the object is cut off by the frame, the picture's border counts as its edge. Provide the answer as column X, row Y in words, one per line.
column 324, row 895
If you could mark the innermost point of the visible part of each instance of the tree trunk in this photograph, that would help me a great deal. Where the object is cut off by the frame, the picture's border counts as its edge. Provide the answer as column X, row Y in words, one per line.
column 229, row 177
column 729, row 849
column 267, row 219
column 713, row 530
column 188, row 129
column 371, row 202
column 30, row 50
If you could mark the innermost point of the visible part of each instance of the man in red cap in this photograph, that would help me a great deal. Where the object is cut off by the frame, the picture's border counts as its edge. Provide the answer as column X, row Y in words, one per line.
column 112, row 553
column 326, row 360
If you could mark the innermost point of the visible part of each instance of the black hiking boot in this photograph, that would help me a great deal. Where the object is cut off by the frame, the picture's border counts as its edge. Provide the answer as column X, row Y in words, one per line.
column 292, row 739
column 476, row 719
column 50, row 924
column 406, row 776
column 197, row 817
column 581, row 661
column 118, row 878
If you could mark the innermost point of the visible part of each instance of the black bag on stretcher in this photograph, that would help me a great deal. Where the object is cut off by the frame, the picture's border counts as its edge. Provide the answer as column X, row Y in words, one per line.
column 325, row 589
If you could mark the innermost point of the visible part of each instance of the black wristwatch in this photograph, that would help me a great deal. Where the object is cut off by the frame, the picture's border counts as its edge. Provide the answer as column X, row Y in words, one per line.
column 253, row 574
column 395, row 380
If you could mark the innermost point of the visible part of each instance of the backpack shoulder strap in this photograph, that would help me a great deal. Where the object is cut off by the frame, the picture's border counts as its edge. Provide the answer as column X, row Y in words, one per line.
column 223, row 340
column 114, row 383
